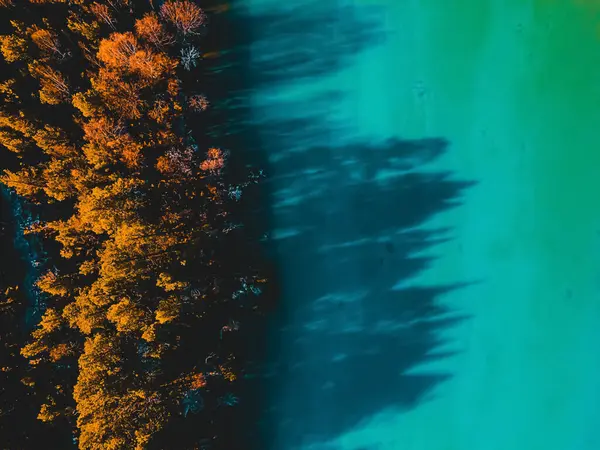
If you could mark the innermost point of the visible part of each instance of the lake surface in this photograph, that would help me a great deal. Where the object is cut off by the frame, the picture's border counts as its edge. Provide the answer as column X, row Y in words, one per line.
column 436, row 211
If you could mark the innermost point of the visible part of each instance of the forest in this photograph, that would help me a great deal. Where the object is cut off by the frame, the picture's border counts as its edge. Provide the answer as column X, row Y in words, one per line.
column 134, row 327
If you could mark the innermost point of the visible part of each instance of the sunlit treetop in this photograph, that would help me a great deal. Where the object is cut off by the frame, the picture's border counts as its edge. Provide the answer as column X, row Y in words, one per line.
column 152, row 30
column 185, row 15
column 47, row 41
column 13, row 47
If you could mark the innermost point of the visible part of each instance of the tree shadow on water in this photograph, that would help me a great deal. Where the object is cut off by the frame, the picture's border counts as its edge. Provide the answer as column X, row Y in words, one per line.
column 351, row 324
column 311, row 40
column 348, row 225
column 294, row 41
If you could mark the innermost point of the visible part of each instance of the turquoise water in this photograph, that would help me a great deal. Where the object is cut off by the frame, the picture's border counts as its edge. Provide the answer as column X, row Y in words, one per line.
column 435, row 181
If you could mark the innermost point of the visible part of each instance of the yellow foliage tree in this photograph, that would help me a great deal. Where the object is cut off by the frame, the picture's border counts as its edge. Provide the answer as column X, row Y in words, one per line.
column 47, row 41
column 83, row 103
column 128, row 317
column 88, row 29
column 54, row 88
column 13, row 48
column 43, row 345
column 88, row 312
column 53, row 284
column 109, row 415
column 167, row 282
column 26, row 182
column 54, row 142
column 168, row 310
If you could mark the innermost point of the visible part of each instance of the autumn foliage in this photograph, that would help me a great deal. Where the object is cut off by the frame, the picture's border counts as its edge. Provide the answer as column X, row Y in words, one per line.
column 187, row 17
column 101, row 118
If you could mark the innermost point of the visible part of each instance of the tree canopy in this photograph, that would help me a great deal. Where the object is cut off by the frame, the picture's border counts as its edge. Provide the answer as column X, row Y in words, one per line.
column 103, row 119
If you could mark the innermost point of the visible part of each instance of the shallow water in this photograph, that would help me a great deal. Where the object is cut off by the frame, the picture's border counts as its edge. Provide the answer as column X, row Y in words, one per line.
column 435, row 186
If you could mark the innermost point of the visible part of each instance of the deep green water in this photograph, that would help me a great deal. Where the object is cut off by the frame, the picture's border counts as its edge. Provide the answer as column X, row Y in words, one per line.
column 435, row 180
